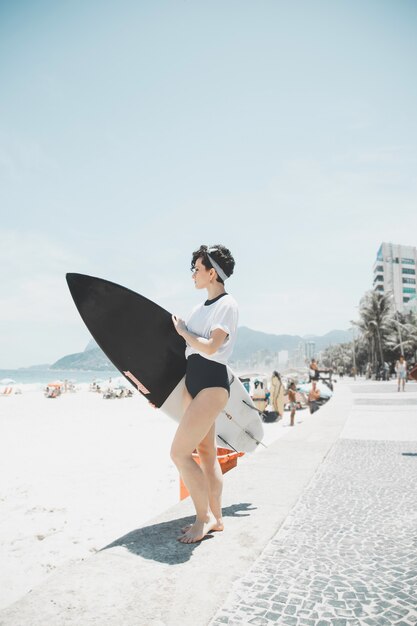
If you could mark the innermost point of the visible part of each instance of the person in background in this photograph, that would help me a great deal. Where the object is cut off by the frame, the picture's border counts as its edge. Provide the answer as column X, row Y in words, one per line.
column 292, row 401
column 267, row 394
column 313, row 370
column 313, row 397
column 401, row 371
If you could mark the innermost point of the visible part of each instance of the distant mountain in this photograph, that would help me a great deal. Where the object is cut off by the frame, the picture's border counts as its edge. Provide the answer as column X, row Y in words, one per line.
column 332, row 338
column 248, row 342
column 92, row 345
column 93, row 359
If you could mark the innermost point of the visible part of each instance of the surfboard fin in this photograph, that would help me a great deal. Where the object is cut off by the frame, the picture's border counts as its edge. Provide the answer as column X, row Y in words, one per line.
column 228, row 445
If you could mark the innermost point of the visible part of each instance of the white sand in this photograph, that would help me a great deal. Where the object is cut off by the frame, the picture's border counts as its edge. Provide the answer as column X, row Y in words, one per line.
column 76, row 473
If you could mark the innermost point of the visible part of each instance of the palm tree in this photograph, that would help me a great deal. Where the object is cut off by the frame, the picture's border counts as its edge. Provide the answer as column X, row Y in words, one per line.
column 375, row 324
column 384, row 333
column 403, row 334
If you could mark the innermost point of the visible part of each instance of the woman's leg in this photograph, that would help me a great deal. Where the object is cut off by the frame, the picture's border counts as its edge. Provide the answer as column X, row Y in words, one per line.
column 207, row 451
column 195, row 424
column 187, row 398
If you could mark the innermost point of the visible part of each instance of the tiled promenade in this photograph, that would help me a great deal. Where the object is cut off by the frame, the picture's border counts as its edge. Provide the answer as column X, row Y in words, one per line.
column 347, row 553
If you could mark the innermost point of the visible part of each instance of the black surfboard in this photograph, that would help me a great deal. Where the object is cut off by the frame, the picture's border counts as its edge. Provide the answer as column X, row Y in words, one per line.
column 152, row 361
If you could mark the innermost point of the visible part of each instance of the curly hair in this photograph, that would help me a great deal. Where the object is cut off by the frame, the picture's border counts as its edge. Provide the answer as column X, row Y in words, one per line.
column 220, row 254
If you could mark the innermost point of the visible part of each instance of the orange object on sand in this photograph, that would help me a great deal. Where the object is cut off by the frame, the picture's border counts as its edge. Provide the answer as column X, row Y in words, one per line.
column 227, row 459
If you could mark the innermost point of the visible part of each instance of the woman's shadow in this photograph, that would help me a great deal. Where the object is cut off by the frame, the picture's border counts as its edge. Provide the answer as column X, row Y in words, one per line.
column 159, row 541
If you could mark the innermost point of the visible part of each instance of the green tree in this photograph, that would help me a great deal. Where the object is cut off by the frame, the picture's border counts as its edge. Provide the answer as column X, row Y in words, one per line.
column 402, row 338
column 383, row 335
column 338, row 356
column 375, row 325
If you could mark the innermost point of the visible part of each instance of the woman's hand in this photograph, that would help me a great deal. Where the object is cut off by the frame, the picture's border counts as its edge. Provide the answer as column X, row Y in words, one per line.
column 179, row 325
column 201, row 344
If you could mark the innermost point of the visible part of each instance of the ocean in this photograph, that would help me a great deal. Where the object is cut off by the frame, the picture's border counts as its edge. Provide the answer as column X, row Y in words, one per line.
column 44, row 376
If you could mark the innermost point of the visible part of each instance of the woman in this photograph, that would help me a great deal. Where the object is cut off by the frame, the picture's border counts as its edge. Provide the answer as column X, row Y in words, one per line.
column 210, row 334
column 401, row 371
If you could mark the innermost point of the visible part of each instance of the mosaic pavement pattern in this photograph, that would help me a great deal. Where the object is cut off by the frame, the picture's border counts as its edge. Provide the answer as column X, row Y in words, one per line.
column 347, row 554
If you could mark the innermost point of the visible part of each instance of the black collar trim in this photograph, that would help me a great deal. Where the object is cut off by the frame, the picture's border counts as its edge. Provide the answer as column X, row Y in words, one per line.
column 208, row 302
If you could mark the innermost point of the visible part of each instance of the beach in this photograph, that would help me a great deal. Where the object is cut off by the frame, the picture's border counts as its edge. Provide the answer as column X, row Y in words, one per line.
column 76, row 473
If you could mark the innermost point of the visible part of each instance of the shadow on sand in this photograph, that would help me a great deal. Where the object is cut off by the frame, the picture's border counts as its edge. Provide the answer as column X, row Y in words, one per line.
column 159, row 541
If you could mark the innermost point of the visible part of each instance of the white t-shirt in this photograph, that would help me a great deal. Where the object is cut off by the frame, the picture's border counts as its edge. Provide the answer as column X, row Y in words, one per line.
column 401, row 367
column 222, row 312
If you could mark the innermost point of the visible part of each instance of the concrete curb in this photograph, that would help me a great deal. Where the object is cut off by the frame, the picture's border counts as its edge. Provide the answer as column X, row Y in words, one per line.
column 148, row 578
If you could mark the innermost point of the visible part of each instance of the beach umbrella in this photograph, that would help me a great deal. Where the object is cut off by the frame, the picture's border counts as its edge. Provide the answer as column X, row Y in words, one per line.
column 7, row 381
column 56, row 383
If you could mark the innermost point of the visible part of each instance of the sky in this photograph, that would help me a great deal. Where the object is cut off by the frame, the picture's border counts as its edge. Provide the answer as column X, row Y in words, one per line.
column 133, row 131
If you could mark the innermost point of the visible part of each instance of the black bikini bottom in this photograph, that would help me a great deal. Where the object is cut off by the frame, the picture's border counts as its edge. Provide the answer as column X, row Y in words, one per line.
column 203, row 374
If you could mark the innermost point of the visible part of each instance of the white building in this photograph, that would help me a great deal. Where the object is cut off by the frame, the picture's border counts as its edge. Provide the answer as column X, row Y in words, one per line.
column 395, row 272
column 310, row 350
column 283, row 358
column 411, row 305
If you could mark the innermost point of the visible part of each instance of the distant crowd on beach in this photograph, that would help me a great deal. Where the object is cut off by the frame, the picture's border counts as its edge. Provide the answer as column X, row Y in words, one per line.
column 55, row 389
column 399, row 369
column 275, row 394
column 285, row 394
column 111, row 391
column 107, row 389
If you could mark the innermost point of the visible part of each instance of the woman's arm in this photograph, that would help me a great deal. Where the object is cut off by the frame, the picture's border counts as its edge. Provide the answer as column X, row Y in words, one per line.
column 206, row 346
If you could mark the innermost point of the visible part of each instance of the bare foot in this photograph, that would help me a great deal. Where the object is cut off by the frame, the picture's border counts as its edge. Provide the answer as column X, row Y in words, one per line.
column 218, row 527
column 198, row 531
